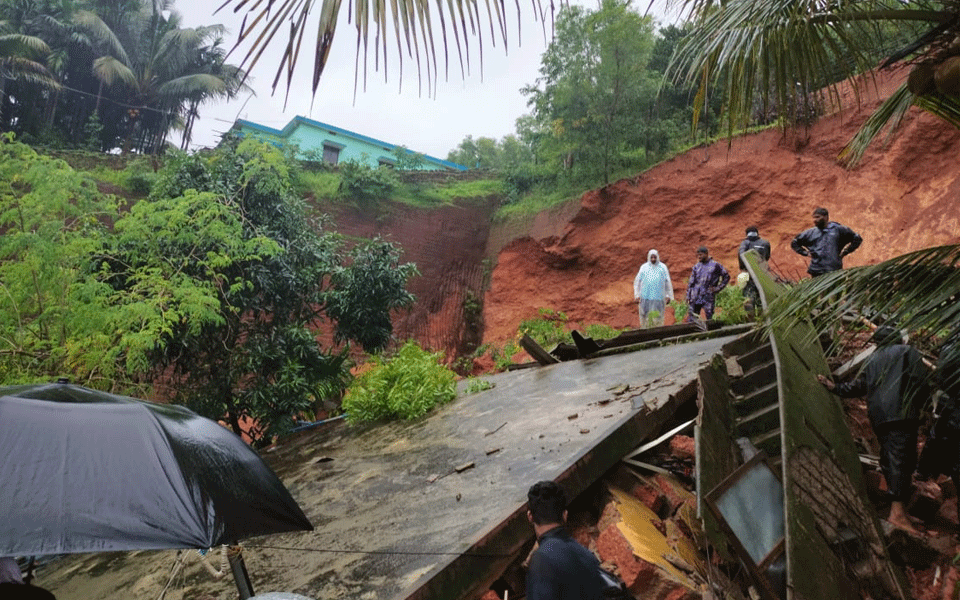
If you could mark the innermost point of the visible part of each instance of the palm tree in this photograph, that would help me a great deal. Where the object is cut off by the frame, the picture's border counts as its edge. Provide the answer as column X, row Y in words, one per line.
column 22, row 59
column 793, row 53
column 163, row 72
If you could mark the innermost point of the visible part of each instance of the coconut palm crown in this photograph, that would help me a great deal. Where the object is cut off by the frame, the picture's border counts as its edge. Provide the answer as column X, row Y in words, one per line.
column 792, row 54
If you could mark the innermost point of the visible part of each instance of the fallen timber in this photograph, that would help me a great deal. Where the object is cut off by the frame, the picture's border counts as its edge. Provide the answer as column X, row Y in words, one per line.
column 766, row 391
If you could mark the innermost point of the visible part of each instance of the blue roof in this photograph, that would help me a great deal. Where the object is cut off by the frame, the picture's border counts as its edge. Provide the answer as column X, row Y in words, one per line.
column 285, row 132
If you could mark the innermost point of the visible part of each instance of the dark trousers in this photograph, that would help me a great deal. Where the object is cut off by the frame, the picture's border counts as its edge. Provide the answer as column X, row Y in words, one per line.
column 898, row 456
column 941, row 452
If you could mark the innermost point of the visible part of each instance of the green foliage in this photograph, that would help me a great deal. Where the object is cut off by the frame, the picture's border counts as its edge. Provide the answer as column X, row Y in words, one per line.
column 364, row 293
column 217, row 279
column 595, row 92
column 132, row 73
column 405, row 386
column 318, row 183
column 503, row 357
column 730, row 310
column 548, row 329
column 52, row 221
column 407, row 160
column 366, row 183
column 432, row 194
column 475, row 385
column 487, row 153
column 553, row 327
column 92, row 132
column 680, row 309
column 600, row 331
column 135, row 178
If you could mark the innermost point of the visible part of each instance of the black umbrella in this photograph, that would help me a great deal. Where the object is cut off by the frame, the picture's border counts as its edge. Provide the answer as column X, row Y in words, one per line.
column 87, row 471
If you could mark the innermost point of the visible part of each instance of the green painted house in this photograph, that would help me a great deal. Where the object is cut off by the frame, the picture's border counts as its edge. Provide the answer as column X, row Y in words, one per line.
column 336, row 145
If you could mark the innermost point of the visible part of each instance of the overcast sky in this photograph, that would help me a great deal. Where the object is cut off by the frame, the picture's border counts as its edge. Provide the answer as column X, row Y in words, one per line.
column 394, row 111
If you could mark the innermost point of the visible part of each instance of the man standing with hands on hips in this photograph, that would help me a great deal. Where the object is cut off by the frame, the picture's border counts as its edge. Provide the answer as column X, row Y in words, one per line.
column 826, row 243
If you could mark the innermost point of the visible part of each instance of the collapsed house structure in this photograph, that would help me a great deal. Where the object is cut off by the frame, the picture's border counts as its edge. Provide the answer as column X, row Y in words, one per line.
column 436, row 508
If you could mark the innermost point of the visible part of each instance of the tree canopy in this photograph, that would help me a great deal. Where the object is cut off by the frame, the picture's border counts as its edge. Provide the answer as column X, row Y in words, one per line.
column 107, row 75
column 209, row 292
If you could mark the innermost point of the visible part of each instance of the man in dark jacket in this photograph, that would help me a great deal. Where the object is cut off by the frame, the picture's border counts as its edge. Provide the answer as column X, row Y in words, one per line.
column 753, row 241
column 560, row 568
column 826, row 243
column 895, row 382
column 941, row 452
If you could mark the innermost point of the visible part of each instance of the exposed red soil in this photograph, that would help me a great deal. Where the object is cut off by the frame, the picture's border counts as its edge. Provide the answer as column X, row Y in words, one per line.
column 581, row 257
column 901, row 198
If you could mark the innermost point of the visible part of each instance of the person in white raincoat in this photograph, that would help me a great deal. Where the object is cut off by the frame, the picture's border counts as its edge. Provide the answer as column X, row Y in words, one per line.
column 652, row 289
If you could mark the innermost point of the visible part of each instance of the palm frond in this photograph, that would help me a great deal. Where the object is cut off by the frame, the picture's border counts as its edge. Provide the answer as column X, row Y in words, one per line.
column 199, row 86
column 919, row 291
column 888, row 116
column 413, row 30
column 100, row 33
column 29, row 71
column 787, row 55
column 26, row 45
column 109, row 70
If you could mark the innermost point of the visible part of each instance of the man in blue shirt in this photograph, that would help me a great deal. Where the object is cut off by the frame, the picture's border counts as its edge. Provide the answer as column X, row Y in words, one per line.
column 826, row 243
column 560, row 568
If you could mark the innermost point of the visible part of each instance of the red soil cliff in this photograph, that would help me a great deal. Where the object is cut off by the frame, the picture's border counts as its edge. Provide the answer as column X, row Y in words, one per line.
column 581, row 258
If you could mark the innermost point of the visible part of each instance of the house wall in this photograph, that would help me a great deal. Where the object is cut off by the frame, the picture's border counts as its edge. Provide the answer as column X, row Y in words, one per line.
column 312, row 136
column 309, row 138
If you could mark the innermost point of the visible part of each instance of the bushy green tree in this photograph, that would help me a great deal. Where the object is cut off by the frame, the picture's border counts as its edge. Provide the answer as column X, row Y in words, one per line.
column 217, row 280
column 594, row 89
column 488, row 153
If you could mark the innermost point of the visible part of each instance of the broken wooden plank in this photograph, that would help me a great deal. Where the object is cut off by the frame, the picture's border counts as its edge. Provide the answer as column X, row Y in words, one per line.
column 585, row 346
column 536, row 351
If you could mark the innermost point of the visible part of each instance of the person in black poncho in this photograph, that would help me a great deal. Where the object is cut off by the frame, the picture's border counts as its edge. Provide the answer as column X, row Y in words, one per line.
column 896, row 384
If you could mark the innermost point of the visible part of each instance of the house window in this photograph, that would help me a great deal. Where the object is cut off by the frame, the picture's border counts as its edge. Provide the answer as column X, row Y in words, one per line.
column 331, row 154
column 384, row 161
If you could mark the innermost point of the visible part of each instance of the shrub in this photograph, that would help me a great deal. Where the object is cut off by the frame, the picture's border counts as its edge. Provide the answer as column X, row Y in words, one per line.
column 405, row 386
column 680, row 309
column 477, row 385
column 367, row 183
column 730, row 309
column 548, row 329
column 599, row 331
column 503, row 358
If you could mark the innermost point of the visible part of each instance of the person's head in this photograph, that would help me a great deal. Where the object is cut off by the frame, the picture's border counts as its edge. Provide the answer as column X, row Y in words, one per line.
column 752, row 232
column 653, row 256
column 821, row 217
column 9, row 570
column 885, row 335
column 703, row 255
column 546, row 503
